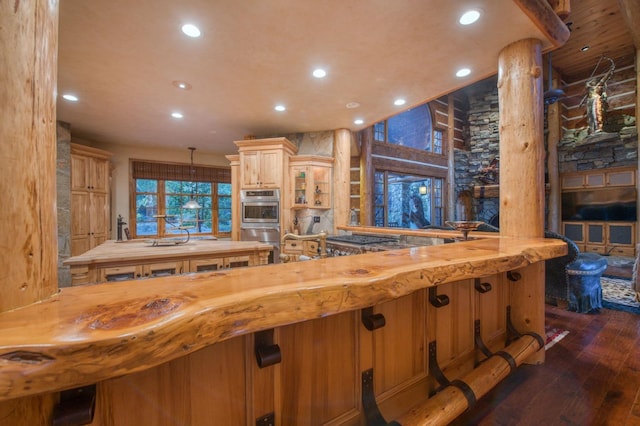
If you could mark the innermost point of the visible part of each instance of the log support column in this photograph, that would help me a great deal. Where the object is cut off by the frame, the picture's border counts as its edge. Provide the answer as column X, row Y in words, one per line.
column 28, row 225
column 341, row 178
column 520, row 91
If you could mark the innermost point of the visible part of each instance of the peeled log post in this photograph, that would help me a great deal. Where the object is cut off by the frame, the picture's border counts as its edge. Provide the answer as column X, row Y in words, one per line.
column 341, row 178
column 28, row 234
column 446, row 405
column 520, row 96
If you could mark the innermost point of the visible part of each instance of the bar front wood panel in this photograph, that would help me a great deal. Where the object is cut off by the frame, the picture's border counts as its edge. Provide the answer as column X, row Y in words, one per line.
column 318, row 380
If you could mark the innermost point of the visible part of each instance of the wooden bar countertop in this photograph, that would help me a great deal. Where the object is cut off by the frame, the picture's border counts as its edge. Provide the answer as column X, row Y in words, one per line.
column 86, row 334
column 131, row 250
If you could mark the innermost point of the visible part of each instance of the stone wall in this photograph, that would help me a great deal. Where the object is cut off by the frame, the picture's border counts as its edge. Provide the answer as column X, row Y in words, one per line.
column 63, row 187
column 484, row 146
column 618, row 147
column 577, row 152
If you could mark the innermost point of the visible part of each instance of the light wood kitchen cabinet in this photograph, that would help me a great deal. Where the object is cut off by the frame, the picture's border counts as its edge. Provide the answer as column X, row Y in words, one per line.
column 601, row 178
column 215, row 264
column 607, row 238
column 135, row 259
column 310, row 180
column 261, row 169
column 149, row 270
column 90, row 201
column 263, row 161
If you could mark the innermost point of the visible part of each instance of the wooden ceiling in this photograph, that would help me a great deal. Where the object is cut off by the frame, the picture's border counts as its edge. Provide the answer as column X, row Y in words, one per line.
column 606, row 26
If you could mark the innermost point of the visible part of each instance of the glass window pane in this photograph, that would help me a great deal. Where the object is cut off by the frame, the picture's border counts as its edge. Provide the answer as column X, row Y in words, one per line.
column 411, row 128
column 146, row 185
column 378, row 132
column 437, row 141
column 224, row 189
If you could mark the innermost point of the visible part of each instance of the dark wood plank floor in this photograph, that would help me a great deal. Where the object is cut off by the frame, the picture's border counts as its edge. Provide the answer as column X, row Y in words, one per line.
column 591, row 377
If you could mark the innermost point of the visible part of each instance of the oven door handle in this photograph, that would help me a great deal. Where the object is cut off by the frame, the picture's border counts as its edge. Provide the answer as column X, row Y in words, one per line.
column 266, row 228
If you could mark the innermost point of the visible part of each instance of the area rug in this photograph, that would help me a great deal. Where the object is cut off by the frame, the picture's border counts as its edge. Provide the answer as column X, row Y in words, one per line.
column 554, row 335
column 617, row 294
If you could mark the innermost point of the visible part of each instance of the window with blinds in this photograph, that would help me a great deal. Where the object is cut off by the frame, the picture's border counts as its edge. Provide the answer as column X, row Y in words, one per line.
column 161, row 189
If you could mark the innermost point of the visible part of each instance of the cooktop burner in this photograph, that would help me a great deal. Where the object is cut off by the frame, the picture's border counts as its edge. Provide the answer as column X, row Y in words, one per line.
column 360, row 239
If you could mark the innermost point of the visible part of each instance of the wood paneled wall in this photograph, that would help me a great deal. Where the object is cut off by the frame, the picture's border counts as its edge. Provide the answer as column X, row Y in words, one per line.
column 621, row 96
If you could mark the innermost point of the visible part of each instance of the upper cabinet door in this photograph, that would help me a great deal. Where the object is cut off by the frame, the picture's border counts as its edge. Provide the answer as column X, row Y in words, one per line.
column 621, row 178
column 261, row 169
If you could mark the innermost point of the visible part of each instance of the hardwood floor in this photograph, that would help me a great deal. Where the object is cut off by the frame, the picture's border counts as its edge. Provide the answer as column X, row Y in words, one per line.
column 591, row 377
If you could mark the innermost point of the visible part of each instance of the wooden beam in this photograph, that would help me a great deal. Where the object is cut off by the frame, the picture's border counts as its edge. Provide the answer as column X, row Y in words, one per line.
column 545, row 18
column 630, row 10
column 366, row 178
column 554, row 134
column 451, row 170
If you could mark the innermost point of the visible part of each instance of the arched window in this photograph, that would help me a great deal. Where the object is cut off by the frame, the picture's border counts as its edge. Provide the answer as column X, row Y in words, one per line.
column 412, row 128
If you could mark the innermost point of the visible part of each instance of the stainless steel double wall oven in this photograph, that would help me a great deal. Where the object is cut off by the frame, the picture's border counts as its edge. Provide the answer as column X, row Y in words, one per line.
column 260, row 218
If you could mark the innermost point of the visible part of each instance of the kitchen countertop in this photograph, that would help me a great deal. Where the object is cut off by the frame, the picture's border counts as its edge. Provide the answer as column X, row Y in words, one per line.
column 61, row 342
column 132, row 250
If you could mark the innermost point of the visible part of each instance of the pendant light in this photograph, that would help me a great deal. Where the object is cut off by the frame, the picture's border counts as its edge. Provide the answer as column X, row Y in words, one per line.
column 192, row 203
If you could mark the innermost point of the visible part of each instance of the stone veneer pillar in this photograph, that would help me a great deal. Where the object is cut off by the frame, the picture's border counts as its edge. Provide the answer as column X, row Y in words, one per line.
column 63, row 191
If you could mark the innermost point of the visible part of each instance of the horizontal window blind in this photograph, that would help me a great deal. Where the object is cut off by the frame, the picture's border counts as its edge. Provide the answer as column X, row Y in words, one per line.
column 185, row 172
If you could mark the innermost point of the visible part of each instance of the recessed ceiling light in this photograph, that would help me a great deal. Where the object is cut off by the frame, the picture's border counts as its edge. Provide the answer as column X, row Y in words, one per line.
column 191, row 30
column 181, row 85
column 319, row 73
column 70, row 97
column 399, row 102
column 463, row 72
column 358, row 121
column 176, row 115
column 585, row 48
column 469, row 17
column 352, row 105
column 280, row 108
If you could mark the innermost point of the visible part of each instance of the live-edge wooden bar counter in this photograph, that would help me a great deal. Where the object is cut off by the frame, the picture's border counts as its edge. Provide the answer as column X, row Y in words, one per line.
column 181, row 350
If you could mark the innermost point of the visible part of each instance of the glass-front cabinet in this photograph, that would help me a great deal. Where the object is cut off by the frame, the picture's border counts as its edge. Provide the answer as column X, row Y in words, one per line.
column 310, row 178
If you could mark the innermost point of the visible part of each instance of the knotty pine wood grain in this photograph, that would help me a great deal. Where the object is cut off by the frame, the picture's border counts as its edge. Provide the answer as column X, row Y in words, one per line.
column 28, row 233
column 87, row 334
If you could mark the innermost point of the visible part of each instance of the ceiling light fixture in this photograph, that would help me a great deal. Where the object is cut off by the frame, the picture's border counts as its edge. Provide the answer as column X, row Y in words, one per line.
column 176, row 115
column 358, row 121
column 352, row 105
column 191, row 30
column 399, row 102
column 69, row 97
column 280, row 108
column 181, row 85
column 319, row 73
column 469, row 17
column 584, row 48
column 192, row 203
column 463, row 72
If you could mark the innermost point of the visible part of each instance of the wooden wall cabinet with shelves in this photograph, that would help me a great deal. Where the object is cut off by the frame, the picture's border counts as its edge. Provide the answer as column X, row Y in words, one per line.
column 607, row 238
column 90, row 200
column 602, row 178
column 310, row 180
